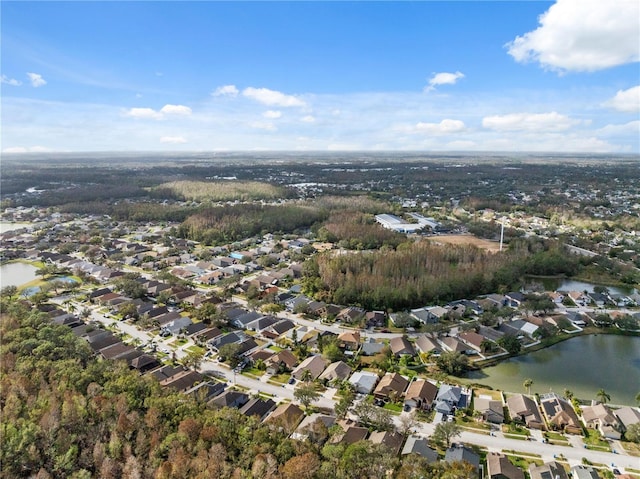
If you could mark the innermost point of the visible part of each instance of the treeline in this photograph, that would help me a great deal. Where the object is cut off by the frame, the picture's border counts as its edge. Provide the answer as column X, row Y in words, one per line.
column 141, row 211
column 67, row 415
column 491, row 230
column 224, row 190
column 221, row 225
column 423, row 273
column 356, row 230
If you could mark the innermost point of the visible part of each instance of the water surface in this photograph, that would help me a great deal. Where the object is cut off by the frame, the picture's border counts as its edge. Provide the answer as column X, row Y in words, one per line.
column 583, row 365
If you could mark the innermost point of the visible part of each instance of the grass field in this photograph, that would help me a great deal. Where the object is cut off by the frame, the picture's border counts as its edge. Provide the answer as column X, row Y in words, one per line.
column 466, row 239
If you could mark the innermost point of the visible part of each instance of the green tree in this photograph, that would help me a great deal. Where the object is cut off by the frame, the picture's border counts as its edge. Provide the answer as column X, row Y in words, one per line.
column 445, row 432
column 453, row 362
column 633, row 433
column 347, row 396
column 306, row 393
column 9, row 291
column 373, row 416
column 128, row 310
column 193, row 359
column 230, row 353
column 603, row 396
column 510, row 343
column 527, row 385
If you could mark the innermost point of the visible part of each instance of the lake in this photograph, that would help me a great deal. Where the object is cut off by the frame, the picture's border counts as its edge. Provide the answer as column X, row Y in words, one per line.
column 16, row 274
column 583, row 365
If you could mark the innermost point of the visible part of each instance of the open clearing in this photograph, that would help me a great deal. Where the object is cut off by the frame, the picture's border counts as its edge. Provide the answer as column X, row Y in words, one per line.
column 466, row 239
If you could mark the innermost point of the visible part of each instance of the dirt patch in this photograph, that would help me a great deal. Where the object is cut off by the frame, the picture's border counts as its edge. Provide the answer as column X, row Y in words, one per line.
column 466, row 239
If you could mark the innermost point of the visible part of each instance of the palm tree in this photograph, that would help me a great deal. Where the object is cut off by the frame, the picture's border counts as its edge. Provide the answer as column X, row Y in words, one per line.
column 527, row 384
column 603, row 396
column 568, row 394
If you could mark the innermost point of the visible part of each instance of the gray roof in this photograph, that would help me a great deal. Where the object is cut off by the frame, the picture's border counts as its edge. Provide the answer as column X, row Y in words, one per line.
column 419, row 445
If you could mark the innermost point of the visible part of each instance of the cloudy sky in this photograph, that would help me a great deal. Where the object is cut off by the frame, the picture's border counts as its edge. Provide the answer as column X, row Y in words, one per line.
column 464, row 76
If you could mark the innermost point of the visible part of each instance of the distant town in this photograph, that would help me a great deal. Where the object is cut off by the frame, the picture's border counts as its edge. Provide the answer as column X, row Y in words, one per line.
column 356, row 293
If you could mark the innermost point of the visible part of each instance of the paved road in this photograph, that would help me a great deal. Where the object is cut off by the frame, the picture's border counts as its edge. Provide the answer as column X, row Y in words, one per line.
column 548, row 452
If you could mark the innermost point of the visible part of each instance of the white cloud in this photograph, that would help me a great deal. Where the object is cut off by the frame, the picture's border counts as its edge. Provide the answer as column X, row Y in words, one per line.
column 36, row 80
column 144, row 113
column 175, row 110
column 226, row 90
column 272, row 97
column 626, row 100
column 151, row 114
column 445, row 127
column 443, row 78
column 552, row 121
column 582, row 35
column 174, row 140
column 272, row 114
column 308, row 119
column 632, row 127
column 10, row 81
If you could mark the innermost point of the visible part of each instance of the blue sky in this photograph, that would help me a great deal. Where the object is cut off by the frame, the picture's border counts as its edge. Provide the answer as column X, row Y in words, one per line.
column 211, row 76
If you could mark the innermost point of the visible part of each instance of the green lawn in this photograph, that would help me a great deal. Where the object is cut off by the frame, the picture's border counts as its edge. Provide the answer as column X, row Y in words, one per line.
column 393, row 407
column 280, row 378
column 595, row 442
column 514, row 429
column 196, row 349
column 253, row 372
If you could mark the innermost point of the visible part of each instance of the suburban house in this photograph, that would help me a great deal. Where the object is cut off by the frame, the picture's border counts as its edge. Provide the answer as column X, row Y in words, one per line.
column 336, row 371
column 351, row 435
column 371, row 348
column 420, row 394
column 525, row 409
column 560, row 413
column 492, row 411
column 463, row 453
column 473, row 340
column 427, row 345
column 283, row 360
column 602, row 418
column 453, row 345
column 349, row 340
column 287, row 416
column 499, row 467
column 628, row 415
column 584, row 472
column 400, row 346
column 448, row 399
column 548, row 470
column 391, row 386
column 310, row 424
column 314, row 364
column 429, row 315
column 229, row 398
column 392, row 440
column 420, row 446
column 258, row 407
column 363, row 381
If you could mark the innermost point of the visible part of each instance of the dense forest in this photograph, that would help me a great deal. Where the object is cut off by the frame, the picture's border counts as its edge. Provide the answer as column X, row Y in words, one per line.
column 355, row 230
column 419, row 273
column 66, row 414
column 221, row 225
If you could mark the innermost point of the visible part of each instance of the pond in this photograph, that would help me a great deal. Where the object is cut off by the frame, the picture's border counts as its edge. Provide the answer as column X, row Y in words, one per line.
column 16, row 274
column 583, row 365
column 561, row 284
